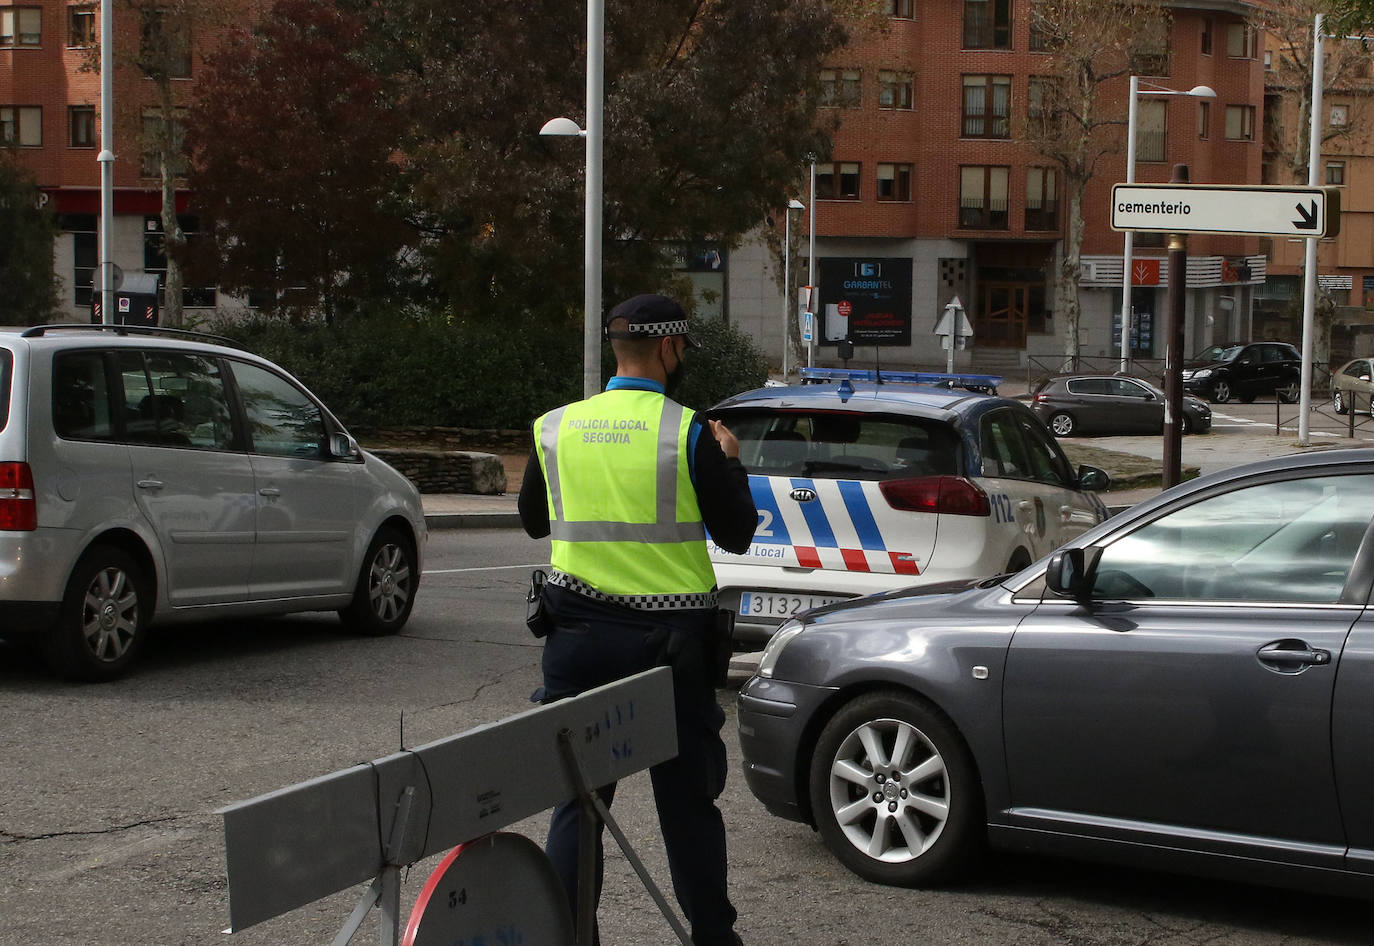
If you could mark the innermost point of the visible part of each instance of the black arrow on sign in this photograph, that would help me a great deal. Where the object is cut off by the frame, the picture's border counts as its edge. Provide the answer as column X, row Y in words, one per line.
column 1309, row 217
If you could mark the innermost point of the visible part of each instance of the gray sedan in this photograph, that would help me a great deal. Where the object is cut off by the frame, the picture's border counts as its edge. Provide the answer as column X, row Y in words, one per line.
column 1189, row 685
column 1111, row 404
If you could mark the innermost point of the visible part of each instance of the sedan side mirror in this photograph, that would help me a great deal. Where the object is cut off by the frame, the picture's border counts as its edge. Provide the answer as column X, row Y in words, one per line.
column 1071, row 572
column 1093, row 478
column 343, row 447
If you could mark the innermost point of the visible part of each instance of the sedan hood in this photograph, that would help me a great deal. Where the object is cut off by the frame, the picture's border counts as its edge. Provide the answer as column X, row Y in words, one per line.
column 919, row 595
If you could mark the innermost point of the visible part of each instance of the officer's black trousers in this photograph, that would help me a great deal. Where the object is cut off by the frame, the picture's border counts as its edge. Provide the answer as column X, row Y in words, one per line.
column 593, row 644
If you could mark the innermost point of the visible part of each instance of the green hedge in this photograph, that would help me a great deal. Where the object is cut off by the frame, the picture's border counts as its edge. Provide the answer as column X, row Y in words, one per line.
column 429, row 369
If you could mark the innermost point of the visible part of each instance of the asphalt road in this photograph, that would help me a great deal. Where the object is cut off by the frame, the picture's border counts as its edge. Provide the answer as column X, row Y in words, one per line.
column 109, row 832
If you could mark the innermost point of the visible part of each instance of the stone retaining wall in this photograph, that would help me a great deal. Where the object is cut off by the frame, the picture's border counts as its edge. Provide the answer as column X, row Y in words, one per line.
column 447, row 471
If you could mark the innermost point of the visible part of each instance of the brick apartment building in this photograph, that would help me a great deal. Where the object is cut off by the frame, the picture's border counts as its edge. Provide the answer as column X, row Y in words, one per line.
column 928, row 187
column 49, row 109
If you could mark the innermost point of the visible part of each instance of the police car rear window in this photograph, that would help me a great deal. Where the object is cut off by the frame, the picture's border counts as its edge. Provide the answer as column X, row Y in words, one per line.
column 6, row 371
column 838, row 445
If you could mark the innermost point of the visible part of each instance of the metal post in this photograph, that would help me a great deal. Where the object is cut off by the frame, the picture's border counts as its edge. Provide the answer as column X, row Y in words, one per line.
column 786, row 285
column 106, row 160
column 1173, row 362
column 591, row 300
column 811, row 274
column 1309, row 279
column 1128, row 249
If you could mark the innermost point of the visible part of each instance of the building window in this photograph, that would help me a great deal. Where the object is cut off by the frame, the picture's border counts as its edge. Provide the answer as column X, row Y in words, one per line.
column 1335, row 172
column 1268, row 60
column 21, row 125
column 837, row 181
column 85, row 255
column 165, row 49
column 21, row 26
column 1240, row 41
column 1204, row 119
column 1041, row 30
column 896, row 89
column 1340, row 115
column 1206, row 37
column 1042, row 199
column 841, row 88
column 81, row 26
column 987, row 24
column 1042, row 104
column 987, row 107
column 152, row 136
column 1240, row 123
column 894, row 182
column 155, row 262
column 983, row 198
column 81, row 126
column 901, row 9
column 1149, row 130
column 1151, row 58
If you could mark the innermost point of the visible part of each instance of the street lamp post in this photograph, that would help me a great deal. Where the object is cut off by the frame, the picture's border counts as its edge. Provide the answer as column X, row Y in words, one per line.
column 106, row 159
column 811, row 273
column 1197, row 91
column 792, row 205
column 591, row 260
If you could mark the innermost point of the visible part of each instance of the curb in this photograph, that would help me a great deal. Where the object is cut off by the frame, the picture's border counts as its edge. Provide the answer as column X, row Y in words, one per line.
column 472, row 520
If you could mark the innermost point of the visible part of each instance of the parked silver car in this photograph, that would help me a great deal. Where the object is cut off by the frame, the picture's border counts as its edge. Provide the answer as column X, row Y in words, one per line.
column 1188, row 685
column 148, row 477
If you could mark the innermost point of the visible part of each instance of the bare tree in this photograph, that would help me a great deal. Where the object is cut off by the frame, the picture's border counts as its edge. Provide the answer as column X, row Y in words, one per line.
column 1077, row 113
column 1288, row 26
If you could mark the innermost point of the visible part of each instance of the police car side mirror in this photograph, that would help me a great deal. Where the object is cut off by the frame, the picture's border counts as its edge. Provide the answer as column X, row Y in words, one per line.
column 1093, row 478
column 1071, row 572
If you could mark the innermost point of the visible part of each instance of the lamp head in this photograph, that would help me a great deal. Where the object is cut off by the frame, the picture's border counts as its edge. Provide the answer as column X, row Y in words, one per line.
column 1203, row 92
column 561, row 128
column 795, row 204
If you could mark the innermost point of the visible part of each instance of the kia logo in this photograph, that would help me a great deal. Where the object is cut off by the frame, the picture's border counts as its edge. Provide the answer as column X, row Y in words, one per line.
column 803, row 495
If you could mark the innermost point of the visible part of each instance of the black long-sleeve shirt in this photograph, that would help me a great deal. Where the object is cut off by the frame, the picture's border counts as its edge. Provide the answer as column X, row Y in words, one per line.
column 722, row 485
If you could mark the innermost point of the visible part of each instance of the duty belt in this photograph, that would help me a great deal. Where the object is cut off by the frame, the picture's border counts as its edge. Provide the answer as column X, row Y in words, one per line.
column 668, row 602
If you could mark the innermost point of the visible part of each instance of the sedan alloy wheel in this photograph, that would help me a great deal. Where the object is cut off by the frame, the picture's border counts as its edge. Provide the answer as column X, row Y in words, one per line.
column 894, row 791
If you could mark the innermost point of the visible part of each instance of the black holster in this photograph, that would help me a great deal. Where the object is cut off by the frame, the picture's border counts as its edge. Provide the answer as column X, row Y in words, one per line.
column 537, row 617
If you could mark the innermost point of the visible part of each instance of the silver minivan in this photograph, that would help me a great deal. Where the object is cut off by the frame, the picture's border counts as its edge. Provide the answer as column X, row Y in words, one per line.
column 151, row 476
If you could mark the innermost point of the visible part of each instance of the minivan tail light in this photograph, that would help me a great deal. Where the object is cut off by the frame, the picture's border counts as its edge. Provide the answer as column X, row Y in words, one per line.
column 951, row 495
column 18, row 509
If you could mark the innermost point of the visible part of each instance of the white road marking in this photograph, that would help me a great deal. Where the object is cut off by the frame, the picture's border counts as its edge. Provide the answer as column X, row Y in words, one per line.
column 483, row 568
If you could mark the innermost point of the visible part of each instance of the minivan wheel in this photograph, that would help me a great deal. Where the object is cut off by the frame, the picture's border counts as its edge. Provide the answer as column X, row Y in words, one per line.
column 103, row 619
column 1221, row 392
column 1062, row 424
column 895, row 792
column 385, row 591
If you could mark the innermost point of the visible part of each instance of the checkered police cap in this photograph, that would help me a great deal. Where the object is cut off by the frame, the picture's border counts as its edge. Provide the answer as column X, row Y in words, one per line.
column 649, row 316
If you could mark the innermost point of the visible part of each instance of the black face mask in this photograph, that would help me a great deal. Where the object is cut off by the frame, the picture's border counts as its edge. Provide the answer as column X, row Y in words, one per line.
column 674, row 377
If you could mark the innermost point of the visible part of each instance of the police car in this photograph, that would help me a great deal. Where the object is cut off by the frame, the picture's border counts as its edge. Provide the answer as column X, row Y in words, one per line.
column 865, row 487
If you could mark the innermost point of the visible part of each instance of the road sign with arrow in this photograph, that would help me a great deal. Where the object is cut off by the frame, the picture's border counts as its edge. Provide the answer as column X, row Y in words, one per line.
column 1227, row 208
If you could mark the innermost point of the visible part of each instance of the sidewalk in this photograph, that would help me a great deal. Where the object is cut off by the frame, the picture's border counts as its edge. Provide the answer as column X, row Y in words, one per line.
column 1208, row 452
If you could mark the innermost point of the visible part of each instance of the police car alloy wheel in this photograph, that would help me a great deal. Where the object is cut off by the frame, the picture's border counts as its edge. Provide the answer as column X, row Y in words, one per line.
column 894, row 791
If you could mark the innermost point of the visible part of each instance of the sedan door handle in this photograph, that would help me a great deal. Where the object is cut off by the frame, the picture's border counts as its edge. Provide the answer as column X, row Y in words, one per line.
column 150, row 484
column 1293, row 653
column 270, row 492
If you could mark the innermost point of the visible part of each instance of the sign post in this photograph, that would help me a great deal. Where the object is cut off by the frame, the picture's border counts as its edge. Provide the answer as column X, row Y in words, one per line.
column 954, row 330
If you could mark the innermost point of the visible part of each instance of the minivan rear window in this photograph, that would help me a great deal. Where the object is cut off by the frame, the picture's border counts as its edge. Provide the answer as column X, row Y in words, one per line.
column 842, row 445
column 6, row 371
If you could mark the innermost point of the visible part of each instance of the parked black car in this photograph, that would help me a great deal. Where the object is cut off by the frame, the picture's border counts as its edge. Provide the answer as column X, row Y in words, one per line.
column 1110, row 404
column 1245, row 370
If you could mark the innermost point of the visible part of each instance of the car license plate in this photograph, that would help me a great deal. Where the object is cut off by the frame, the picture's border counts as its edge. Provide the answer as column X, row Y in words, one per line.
column 777, row 605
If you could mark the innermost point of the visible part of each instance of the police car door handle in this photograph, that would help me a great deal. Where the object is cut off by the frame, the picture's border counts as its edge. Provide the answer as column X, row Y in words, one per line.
column 271, row 492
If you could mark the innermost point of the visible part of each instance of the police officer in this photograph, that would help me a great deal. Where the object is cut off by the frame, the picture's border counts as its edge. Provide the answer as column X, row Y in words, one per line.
column 624, row 482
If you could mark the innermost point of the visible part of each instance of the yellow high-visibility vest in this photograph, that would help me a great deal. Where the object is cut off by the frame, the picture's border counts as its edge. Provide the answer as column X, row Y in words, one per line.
column 623, row 515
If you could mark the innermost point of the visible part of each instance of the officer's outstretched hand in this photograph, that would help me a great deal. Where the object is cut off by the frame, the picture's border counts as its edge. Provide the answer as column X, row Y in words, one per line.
column 728, row 444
